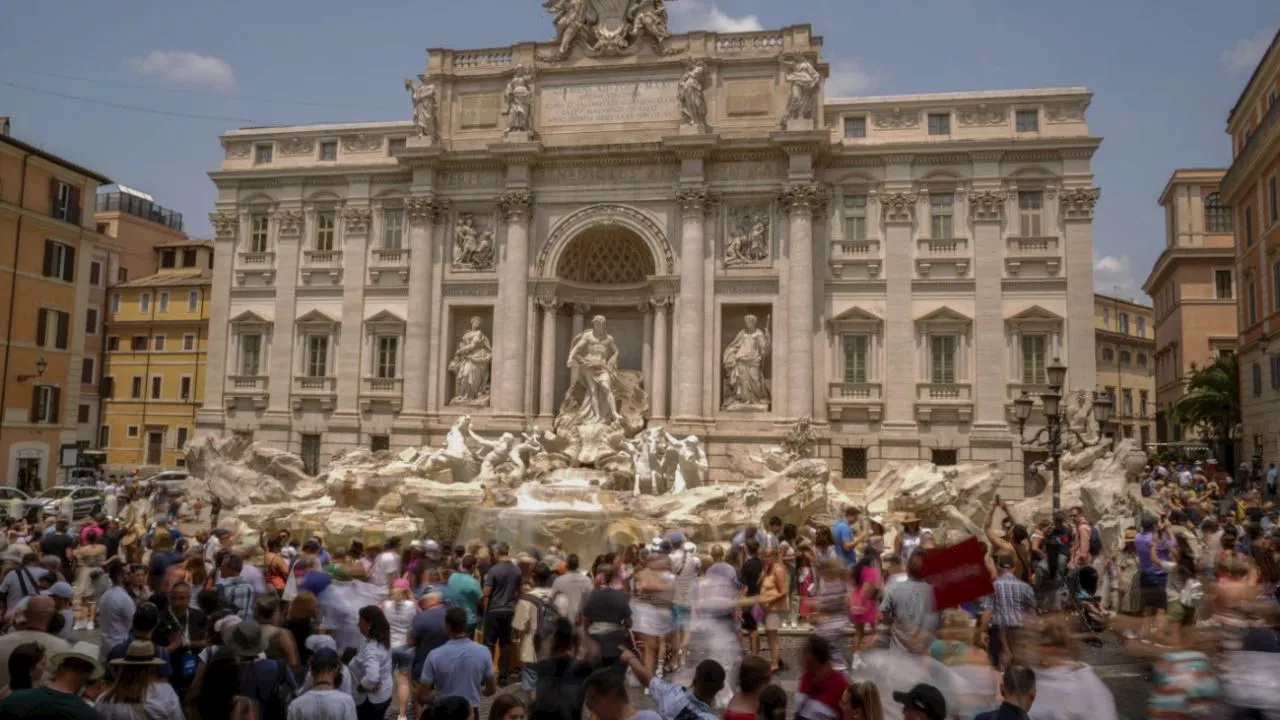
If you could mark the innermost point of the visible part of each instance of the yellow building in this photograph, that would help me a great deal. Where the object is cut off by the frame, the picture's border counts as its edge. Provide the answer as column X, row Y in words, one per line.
column 157, row 333
column 1126, row 345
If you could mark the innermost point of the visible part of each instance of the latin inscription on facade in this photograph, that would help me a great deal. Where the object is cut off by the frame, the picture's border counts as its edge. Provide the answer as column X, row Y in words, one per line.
column 610, row 103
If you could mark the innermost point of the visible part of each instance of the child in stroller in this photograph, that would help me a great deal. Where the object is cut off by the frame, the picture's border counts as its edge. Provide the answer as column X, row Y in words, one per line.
column 1083, row 600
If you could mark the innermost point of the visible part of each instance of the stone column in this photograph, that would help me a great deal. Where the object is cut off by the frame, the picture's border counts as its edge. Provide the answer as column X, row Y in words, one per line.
column 355, row 252
column 510, row 339
column 898, row 211
column 547, row 385
column 1077, row 217
column 801, row 201
column 579, row 312
column 646, row 346
column 694, row 202
column 987, row 207
column 661, row 367
column 422, row 213
column 289, row 228
column 218, row 356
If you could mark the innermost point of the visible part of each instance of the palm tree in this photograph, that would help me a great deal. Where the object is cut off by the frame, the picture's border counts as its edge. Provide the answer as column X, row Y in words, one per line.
column 1211, row 403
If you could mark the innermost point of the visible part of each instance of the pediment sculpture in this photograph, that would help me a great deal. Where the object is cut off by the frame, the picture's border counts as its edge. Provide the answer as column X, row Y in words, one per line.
column 607, row 27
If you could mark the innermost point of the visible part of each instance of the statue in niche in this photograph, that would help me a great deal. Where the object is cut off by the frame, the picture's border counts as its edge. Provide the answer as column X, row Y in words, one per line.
column 472, row 247
column 425, row 108
column 690, row 91
column 745, row 386
column 470, row 367
column 593, row 356
column 691, row 462
column 518, row 98
column 748, row 242
column 803, row 80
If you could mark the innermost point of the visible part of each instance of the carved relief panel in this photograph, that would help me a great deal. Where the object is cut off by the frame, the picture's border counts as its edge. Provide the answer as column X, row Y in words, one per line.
column 748, row 237
column 474, row 246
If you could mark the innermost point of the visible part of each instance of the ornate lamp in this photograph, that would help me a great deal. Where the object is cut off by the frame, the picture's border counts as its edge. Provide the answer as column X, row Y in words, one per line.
column 1057, row 374
column 1022, row 408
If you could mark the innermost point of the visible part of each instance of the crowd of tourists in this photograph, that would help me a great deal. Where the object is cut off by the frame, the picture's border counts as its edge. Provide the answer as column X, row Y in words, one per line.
column 149, row 618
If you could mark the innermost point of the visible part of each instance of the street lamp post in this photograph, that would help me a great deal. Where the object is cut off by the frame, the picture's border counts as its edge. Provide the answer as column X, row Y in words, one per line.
column 1050, row 436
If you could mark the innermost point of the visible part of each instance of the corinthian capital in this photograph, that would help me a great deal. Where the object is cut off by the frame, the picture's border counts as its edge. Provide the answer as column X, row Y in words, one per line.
column 694, row 199
column 516, row 205
column 1077, row 203
column 803, row 198
column 898, row 207
column 225, row 224
column 423, row 209
column 987, row 204
column 358, row 219
column 288, row 222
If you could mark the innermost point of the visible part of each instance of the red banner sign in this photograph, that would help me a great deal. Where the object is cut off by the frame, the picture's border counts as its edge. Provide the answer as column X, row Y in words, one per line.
column 958, row 573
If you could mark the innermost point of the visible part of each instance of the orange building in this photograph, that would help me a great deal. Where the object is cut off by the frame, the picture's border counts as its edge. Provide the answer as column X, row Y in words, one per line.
column 1251, row 188
column 51, row 255
column 1193, row 288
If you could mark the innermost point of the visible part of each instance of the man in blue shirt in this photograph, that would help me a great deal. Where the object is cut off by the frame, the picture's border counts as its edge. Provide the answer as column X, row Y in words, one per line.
column 461, row 667
column 1151, row 577
column 844, row 535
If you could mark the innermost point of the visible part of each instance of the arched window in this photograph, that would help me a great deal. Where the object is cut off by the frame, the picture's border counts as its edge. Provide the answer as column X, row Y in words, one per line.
column 1217, row 217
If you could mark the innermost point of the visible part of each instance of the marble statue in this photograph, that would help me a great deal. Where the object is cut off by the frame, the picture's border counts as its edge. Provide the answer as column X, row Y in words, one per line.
column 648, row 452
column 693, row 102
column 470, row 367
column 472, row 246
column 748, row 242
column 606, row 27
column 803, row 80
column 799, row 440
column 425, row 108
column 745, row 385
column 570, row 22
column 456, row 456
column 497, row 453
column 691, row 463
column 593, row 357
column 518, row 99
column 648, row 17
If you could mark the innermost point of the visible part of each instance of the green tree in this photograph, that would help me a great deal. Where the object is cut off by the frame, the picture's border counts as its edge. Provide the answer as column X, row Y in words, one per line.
column 1211, row 404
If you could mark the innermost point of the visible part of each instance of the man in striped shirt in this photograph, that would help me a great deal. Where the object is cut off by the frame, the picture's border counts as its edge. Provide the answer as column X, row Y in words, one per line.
column 1003, row 613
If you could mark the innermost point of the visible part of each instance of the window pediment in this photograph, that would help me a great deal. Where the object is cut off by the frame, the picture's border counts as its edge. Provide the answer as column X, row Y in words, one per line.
column 318, row 319
column 384, row 321
column 1034, row 316
column 944, row 317
column 856, row 319
column 249, row 317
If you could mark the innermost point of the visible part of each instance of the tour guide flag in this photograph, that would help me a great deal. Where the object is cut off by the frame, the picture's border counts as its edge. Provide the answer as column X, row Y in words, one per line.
column 958, row 573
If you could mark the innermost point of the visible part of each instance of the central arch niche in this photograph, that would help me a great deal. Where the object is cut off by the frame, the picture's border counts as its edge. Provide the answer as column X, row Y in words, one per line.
column 606, row 255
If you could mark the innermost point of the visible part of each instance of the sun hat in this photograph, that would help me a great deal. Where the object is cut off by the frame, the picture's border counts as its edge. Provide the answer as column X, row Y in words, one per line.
column 401, row 584
column 245, row 639
column 85, row 652
column 139, row 652
column 223, row 624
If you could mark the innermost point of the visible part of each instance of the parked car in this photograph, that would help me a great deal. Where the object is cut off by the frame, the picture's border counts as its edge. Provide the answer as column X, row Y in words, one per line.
column 87, row 502
column 170, row 482
column 7, row 494
column 83, row 476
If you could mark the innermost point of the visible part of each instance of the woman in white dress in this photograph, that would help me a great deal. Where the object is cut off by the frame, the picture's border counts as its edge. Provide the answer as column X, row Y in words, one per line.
column 651, row 604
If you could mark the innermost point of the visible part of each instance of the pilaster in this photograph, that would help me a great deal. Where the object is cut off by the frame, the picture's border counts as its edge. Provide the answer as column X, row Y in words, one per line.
column 987, row 208
column 512, row 317
column 281, row 344
column 355, row 252
column 898, row 212
column 422, row 213
column 661, row 365
column 694, row 203
column 801, row 201
column 1077, row 206
column 211, row 417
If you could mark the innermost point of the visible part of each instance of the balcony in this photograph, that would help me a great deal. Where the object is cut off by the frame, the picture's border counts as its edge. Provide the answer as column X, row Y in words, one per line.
column 139, row 206
column 256, row 259
column 255, row 268
column 856, row 253
column 1034, row 249
column 934, row 252
column 388, row 262
column 319, row 266
column 249, row 387
column 853, row 401
column 375, row 389
column 944, row 401
column 307, row 387
column 1252, row 154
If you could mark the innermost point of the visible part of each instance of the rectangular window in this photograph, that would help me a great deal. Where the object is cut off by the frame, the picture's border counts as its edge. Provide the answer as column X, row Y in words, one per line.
column 855, row 127
column 157, row 384
column 144, row 302
column 182, row 438
column 1034, row 350
column 317, row 356
column 324, row 231
column 1222, row 282
column 250, row 354
column 1030, row 213
column 310, row 453
column 940, row 124
column 115, row 303
column 164, row 302
column 262, row 154
column 107, row 387
column 378, row 443
column 91, row 321
column 1275, row 371
column 158, row 343
column 855, row 217
column 184, row 388
column 44, row 404
column 104, row 436
column 1253, row 303
column 945, row 458
column 1142, row 359
column 95, row 273
column 188, row 342
column 941, row 208
column 1027, row 120
column 1125, row 357
column 131, row 431
column 59, row 261
column 1122, row 323
column 189, row 258
column 1256, row 376
column 168, row 258
column 122, row 275
column 1248, row 227
column 853, row 463
column 942, row 359
column 87, row 375
column 1142, row 403
column 82, row 414
column 329, row 150
column 135, row 389
column 138, row 343
column 113, row 343
column 1271, row 193
column 388, row 356
column 65, row 203
column 193, row 300
column 1142, row 327
column 392, row 229
column 1108, row 355
column 258, row 225
column 855, row 358
column 53, row 329
column 1106, row 318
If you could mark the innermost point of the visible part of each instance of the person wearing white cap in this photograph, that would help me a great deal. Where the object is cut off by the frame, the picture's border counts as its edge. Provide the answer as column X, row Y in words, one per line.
column 62, row 597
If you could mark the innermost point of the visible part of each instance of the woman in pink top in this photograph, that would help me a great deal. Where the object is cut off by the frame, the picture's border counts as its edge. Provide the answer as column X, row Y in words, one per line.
column 864, row 604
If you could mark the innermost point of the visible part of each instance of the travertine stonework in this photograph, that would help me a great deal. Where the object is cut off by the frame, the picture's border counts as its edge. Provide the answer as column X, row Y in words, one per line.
column 896, row 251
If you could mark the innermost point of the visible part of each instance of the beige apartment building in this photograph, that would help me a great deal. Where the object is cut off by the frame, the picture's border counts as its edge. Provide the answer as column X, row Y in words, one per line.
column 1126, row 343
column 1193, row 286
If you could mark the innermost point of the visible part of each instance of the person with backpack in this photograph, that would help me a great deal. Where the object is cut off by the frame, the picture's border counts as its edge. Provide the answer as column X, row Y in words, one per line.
column 537, row 612
column 268, row 682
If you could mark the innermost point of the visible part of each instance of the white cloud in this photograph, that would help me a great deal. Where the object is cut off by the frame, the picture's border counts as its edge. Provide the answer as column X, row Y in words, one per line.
column 1247, row 52
column 707, row 15
column 186, row 68
column 1113, row 275
column 850, row 77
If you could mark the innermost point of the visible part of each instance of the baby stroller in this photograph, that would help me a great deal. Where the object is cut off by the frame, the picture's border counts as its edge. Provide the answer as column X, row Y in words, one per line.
column 1083, row 602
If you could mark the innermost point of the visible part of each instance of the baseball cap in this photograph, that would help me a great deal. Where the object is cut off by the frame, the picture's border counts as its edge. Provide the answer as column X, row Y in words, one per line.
column 431, row 546
column 925, row 698
column 60, row 589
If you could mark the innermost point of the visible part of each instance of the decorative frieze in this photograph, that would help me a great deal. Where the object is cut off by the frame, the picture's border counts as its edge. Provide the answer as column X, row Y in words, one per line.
column 987, row 204
column 288, row 222
column 896, row 119
column 898, row 207
column 225, row 224
column 1077, row 203
column 297, row 146
column 358, row 219
column 362, row 143
column 236, row 150
column 750, row 170
column 694, row 199
column 478, row 178
column 982, row 114
column 480, row 289
column 1065, row 112
column 762, row 286
column 604, row 174
column 515, row 205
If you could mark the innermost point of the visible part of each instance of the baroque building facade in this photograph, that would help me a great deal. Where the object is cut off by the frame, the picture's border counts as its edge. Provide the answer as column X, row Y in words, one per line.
column 897, row 268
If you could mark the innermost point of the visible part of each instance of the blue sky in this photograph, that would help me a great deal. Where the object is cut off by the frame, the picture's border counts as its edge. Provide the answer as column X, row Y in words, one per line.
column 1164, row 74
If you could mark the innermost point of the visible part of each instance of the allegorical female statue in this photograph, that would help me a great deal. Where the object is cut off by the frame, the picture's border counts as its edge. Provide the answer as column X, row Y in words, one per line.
column 745, row 386
column 519, row 101
column 470, row 367
column 693, row 103
column 425, row 108
column 803, row 81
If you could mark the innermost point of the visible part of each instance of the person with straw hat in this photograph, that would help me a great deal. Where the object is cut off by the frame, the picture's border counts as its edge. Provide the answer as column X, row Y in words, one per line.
column 138, row 686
